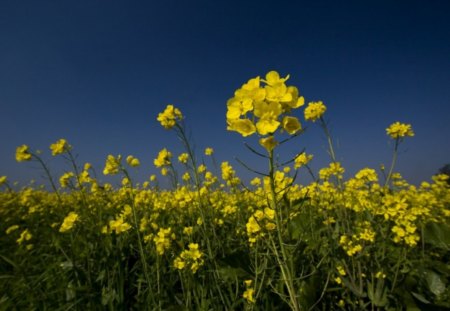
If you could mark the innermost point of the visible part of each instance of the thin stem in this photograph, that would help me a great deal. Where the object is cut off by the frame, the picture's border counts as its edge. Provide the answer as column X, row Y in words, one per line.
column 394, row 159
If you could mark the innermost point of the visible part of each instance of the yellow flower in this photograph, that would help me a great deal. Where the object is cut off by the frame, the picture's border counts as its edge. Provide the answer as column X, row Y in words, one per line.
column 169, row 117
column 64, row 180
column 24, row 236
column 12, row 228
column 399, row 130
column 209, row 151
column 112, row 165
column 2, row 180
column 269, row 143
column 314, row 111
column 132, row 161
column 302, row 159
column 183, row 158
column 291, row 125
column 245, row 127
column 68, row 222
column 119, row 225
column 22, row 154
column 248, row 295
column 60, row 147
column 268, row 114
column 163, row 158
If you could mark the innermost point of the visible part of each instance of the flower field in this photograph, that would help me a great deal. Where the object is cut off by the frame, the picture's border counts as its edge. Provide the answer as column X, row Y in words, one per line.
column 211, row 242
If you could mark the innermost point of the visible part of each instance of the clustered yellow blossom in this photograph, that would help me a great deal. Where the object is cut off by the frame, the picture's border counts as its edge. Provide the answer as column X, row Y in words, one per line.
column 68, row 222
column 263, row 106
column 314, row 111
column 302, row 159
column 260, row 222
column 23, row 153
column 162, row 240
column 133, row 161
column 163, row 159
column 209, row 151
column 112, row 165
column 400, row 130
column 189, row 258
column 249, row 291
column 169, row 117
column 60, row 147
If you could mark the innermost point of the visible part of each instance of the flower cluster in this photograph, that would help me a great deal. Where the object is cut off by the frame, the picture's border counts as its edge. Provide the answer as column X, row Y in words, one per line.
column 189, row 258
column 169, row 117
column 400, row 130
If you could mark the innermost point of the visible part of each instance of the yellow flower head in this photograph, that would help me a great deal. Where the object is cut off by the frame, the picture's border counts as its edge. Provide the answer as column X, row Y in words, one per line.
column 69, row 222
column 22, row 154
column 302, row 159
column 314, row 111
column 245, row 127
column 268, row 142
column 209, row 151
column 399, row 130
column 163, row 158
column 60, row 147
column 112, row 165
column 291, row 125
column 132, row 161
column 169, row 117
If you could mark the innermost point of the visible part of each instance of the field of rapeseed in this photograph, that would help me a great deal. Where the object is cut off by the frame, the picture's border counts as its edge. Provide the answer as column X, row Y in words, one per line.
column 372, row 241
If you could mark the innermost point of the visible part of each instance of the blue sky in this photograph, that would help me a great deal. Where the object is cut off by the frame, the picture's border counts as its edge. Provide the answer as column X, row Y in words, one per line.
column 98, row 72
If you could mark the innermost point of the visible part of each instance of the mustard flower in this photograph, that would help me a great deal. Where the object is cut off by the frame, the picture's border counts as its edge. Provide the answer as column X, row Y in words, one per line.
column 314, row 111
column 68, row 222
column 269, row 143
column 112, row 165
column 24, row 236
column 60, row 147
column 64, row 180
column 163, row 159
column 132, row 161
column 23, row 154
column 209, row 151
column 249, row 295
column 302, row 159
column 169, row 117
column 291, row 125
column 245, row 127
column 11, row 229
column 3, row 180
column 183, row 158
column 400, row 130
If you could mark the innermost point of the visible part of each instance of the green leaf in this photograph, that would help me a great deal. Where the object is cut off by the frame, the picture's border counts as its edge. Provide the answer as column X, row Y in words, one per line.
column 438, row 234
column 435, row 283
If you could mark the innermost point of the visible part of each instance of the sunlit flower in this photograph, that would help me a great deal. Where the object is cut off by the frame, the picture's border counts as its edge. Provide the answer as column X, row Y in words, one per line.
column 400, row 130
column 314, row 111
column 22, row 154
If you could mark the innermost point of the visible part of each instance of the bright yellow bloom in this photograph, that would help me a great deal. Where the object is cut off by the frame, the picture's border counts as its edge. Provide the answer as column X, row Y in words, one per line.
column 12, row 228
column 132, row 161
column 64, row 180
column 60, row 147
column 245, row 127
column 302, row 159
column 399, row 130
column 119, row 225
column 183, row 158
column 314, row 111
column 291, row 125
column 163, row 158
column 248, row 295
column 269, row 143
column 268, row 114
column 169, row 117
column 24, row 236
column 112, row 165
column 209, row 151
column 68, row 222
column 22, row 154
column 2, row 180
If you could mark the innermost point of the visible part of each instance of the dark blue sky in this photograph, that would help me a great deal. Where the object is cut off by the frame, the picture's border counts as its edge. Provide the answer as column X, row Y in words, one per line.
column 98, row 72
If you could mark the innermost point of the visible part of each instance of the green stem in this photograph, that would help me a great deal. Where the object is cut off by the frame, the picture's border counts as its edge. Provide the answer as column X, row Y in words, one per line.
column 394, row 159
